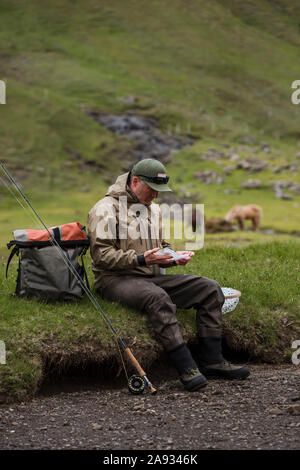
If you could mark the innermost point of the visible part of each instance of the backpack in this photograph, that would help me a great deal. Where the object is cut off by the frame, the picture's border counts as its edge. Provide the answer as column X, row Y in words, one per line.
column 43, row 272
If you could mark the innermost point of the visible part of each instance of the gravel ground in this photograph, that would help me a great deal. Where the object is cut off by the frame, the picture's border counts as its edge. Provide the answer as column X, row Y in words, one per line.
column 261, row 412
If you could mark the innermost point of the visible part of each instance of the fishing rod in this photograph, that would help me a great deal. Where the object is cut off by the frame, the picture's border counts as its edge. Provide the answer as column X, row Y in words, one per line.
column 136, row 383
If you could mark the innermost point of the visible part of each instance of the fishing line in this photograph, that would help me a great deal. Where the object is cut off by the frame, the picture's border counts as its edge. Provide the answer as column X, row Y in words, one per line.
column 58, row 248
column 38, row 219
column 135, row 386
column 15, row 195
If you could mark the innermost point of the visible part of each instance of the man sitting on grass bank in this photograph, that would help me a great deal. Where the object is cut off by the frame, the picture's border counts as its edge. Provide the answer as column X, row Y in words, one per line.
column 127, row 270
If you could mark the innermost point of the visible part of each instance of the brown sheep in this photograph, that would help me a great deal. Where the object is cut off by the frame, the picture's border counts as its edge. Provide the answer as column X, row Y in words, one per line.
column 241, row 213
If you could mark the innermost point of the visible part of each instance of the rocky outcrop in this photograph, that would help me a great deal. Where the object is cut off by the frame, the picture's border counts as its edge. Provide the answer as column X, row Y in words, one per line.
column 149, row 141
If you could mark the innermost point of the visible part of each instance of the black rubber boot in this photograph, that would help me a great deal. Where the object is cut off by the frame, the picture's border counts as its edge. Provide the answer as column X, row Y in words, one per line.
column 190, row 376
column 213, row 364
column 210, row 350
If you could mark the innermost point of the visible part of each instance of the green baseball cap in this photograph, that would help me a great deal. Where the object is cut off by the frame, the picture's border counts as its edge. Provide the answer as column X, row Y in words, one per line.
column 153, row 173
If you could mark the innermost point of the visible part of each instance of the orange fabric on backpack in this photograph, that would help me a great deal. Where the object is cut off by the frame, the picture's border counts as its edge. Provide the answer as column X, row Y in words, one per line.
column 71, row 231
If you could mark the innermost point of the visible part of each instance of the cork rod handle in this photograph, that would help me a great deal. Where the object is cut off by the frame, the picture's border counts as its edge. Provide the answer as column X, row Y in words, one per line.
column 134, row 362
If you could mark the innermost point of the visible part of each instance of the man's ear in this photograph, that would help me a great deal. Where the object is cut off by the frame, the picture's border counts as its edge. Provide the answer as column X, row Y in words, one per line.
column 134, row 180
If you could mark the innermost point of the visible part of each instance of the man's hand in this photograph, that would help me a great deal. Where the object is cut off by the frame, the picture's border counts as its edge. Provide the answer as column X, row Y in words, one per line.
column 152, row 258
column 184, row 261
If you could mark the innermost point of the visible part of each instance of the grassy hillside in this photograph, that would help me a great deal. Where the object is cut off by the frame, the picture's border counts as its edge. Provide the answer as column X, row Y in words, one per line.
column 218, row 71
column 223, row 70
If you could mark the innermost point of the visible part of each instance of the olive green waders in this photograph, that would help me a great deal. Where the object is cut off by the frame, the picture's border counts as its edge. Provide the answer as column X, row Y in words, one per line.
column 159, row 296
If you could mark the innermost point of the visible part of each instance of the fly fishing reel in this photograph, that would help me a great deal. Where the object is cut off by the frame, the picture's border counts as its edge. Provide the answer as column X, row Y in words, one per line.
column 136, row 384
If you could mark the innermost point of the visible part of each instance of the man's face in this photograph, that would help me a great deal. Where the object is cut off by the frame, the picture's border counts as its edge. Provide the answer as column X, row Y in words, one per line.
column 142, row 191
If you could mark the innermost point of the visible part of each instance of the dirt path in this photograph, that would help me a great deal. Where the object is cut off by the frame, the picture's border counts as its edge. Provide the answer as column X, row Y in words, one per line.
column 262, row 412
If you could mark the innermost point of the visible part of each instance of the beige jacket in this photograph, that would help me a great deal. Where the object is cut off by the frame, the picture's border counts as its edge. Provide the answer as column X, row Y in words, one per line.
column 117, row 236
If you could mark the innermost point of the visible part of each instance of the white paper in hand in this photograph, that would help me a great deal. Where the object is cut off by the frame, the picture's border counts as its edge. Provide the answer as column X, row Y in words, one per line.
column 168, row 251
